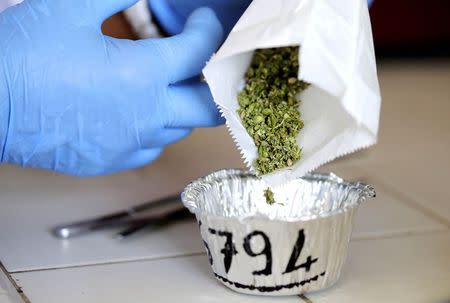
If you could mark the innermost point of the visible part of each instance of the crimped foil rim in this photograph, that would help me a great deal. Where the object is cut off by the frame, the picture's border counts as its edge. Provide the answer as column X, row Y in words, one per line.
column 192, row 191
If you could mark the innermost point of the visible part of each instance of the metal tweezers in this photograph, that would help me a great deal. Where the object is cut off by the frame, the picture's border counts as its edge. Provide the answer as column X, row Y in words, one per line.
column 153, row 214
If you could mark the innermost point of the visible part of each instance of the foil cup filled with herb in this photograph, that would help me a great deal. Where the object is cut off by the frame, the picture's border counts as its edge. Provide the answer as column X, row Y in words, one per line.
column 295, row 244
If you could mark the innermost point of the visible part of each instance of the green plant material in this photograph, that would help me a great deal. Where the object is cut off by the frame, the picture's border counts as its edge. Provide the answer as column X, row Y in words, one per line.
column 268, row 107
column 269, row 195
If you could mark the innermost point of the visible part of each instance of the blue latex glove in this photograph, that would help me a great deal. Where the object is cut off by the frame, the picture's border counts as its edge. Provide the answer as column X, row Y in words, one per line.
column 78, row 102
column 172, row 14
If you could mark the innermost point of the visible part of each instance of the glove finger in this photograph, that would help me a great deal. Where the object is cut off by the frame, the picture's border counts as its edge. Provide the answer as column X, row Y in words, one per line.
column 190, row 106
column 167, row 17
column 186, row 54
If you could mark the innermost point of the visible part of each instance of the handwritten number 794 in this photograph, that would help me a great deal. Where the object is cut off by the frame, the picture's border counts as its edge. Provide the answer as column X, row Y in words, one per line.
column 229, row 250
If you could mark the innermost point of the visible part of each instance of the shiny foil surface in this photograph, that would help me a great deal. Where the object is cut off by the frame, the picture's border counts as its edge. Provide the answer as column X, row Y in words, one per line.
column 296, row 245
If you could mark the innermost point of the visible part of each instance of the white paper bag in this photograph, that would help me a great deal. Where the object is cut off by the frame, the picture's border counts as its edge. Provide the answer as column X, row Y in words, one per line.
column 340, row 109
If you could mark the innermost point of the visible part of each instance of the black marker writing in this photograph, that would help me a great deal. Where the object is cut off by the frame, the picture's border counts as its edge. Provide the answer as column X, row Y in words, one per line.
column 229, row 250
column 296, row 253
column 267, row 251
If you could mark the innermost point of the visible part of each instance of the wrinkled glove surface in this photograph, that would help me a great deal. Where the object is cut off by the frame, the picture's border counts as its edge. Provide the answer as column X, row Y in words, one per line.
column 78, row 102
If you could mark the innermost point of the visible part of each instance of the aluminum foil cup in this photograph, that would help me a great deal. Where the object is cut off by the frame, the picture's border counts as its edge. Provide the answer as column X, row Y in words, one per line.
column 294, row 246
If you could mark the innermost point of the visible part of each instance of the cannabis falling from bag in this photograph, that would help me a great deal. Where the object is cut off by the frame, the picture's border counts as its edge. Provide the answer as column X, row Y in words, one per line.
column 340, row 109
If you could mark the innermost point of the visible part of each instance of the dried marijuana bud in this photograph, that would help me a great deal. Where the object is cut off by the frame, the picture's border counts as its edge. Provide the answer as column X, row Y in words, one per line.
column 269, row 107
column 269, row 195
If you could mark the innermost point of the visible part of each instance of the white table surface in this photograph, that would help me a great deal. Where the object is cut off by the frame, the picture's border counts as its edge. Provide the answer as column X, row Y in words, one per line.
column 400, row 249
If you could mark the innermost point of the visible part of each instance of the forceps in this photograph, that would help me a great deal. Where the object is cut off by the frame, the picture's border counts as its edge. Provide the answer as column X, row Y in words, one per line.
column 157, row 213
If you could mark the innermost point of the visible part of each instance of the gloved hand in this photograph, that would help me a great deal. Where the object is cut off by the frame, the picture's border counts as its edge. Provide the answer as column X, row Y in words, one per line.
column 81, row 103
column 172, row 14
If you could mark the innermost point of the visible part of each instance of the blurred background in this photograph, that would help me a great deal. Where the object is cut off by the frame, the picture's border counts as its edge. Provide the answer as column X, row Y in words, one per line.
column 411, row 28
column 401, row 28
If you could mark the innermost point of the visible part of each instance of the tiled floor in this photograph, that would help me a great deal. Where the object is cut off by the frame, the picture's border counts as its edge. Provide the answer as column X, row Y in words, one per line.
column 4, row 295
column 28, row 228
column 397, row 266
column 4, row 298
column 400, row 249
column 29, row 207
column 411, row 269
column 388, row 215
column 165, row 280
